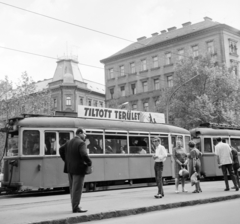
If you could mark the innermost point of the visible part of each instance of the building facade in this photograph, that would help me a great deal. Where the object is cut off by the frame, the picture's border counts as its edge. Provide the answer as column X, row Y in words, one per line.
column 69, row 89
column 139, row 73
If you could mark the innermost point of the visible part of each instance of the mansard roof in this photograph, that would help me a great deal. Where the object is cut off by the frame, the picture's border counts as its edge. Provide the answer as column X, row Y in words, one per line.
column 163, row 38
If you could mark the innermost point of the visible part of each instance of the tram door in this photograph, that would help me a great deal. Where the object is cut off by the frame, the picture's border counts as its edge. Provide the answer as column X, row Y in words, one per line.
column 52, row 164
column 31, row 161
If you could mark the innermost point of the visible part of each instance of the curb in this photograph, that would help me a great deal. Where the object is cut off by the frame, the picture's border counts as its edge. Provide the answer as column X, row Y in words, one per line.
column 135, row 211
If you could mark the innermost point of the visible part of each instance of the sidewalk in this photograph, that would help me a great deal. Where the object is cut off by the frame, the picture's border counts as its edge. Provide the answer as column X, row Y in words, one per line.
column 106, row 204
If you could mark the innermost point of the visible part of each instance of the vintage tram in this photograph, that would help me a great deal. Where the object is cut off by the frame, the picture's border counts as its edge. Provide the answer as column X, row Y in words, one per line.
column 121, row 151
column 205, row 136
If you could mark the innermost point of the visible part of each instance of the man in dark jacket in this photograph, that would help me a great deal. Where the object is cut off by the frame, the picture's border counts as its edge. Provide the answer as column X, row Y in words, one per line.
column 76, row 160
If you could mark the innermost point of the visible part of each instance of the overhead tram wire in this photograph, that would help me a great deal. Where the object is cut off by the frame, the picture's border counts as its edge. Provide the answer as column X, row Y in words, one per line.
column 40, row 55
column 92, row 66
column 83, row 27
column 73, row 24
column 69, row 23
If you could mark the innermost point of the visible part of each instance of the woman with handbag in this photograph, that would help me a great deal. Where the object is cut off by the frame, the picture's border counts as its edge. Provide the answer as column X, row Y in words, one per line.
column 181, row 161
column 195, row 165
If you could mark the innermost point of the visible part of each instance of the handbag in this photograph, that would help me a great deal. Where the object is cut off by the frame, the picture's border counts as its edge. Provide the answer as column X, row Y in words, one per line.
column 88, row 170
column 194, row 179
column 184, row 173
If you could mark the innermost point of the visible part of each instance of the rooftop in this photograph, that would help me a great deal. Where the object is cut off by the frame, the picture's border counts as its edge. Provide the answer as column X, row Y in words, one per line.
column 172, row 33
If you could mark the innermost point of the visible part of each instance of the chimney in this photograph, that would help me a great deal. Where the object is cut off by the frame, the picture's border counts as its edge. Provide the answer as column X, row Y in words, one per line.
column 154, row 34
column 172, row 28
column 186, row 24
column 207, row 18
column 141, row 38
column 163, row 31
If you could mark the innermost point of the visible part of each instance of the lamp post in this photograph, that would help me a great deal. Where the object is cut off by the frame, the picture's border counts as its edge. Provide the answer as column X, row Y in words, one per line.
column 170, row 97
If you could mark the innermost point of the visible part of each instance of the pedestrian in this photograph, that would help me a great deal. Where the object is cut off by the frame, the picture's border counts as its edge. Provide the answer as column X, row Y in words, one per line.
column 235, row 165
column 181, row 161
column 225, row 162
column 159, row 157
column 195, row 166
column 76, row 160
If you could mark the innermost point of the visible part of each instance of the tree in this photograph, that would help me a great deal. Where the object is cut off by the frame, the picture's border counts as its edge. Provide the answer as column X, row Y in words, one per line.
column 210, row 97
column 22, row 97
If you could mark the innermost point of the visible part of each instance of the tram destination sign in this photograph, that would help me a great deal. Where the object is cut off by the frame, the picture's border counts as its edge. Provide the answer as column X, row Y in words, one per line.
column 118, row 114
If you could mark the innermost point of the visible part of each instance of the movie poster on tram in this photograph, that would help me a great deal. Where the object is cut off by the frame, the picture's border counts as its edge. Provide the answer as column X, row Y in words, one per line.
column 119, row 114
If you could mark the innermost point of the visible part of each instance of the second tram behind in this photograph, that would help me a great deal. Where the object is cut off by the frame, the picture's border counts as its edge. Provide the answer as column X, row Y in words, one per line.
column 205, row 136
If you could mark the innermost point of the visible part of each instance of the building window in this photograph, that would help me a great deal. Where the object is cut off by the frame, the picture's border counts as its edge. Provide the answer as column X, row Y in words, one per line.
column 232, row 46
column 100, row 103
column 180, row 54
column 95, row 103
column 132, row 67
column 155, row 62
column 55, row 103
column 157, row 102
column 210, row 47
column 110, row 73
column 89, row 102
column 111, row 93
column 145, row 106
column 133, row 88
column 234, row 66
column 80, row 100
column 170, row 81
column 143, row 65
column 145, row 86
column 68, row 101
column 195, row 51
column 122, row 88
column 156, row 84
column 168, row 58
column 134, row 107
column 122, row 70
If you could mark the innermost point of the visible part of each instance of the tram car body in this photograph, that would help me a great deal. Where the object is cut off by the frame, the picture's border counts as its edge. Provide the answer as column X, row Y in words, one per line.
column 32, row 160
column 205, row 136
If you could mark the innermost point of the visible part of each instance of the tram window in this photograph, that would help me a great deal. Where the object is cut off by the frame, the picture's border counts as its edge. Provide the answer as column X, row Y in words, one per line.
column 187, row 140
column 164, row 142
column 50, row 147
column 94, row 144
column 115, row 144
column 235, row 143
column 207, row 145
column 63, row 137
column 138, row 145
column 214, row 143
column 31, row 142
column 12, row 146
column 175, row 138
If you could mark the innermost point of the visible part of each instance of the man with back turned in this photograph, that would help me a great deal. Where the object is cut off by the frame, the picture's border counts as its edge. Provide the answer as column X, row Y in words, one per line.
column 75, row 157
column 225, row 160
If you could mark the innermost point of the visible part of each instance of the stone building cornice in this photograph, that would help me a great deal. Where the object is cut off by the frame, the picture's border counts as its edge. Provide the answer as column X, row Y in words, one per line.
column 217, row 27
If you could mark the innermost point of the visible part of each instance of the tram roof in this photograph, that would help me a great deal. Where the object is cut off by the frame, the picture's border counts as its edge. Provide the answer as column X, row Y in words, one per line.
column 68, row 122
column 214, row 132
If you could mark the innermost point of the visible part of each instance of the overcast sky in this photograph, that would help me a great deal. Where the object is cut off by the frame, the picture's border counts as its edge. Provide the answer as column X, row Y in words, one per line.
column 128, row 19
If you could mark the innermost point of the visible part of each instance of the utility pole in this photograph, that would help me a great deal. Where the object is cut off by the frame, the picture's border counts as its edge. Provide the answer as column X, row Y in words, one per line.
column 170, row 97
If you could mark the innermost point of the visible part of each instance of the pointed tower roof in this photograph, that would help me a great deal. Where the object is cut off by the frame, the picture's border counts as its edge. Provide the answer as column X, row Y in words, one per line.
column 67, row 70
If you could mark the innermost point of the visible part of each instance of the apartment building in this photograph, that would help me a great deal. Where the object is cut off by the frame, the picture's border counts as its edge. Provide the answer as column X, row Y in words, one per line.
column 139, row 73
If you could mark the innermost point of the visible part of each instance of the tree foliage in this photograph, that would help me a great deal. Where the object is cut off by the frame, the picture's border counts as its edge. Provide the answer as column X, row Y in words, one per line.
column 211, row 96
column 21, row 98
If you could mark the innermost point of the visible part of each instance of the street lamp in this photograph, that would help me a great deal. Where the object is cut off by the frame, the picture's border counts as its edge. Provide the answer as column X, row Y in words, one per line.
column 170, row 97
